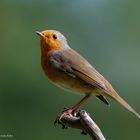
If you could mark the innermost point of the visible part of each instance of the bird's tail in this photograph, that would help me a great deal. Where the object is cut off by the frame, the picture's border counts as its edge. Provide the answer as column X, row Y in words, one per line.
column 113, row 94
column 125, row 104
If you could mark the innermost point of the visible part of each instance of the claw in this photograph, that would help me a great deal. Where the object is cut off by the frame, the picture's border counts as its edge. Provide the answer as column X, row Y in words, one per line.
column 83, row 133
column 56, row 120
column 64, row 127
column 65, row 108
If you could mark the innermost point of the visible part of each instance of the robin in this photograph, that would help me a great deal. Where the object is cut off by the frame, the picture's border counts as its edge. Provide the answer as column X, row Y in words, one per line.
column 70, row 71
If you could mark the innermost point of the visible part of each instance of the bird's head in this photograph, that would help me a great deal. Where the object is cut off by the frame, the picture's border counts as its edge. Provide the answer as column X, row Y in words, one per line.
column 52, row 40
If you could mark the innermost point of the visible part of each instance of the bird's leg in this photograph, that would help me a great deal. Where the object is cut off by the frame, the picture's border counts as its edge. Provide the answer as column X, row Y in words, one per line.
column 72, row 111
column 77, row 106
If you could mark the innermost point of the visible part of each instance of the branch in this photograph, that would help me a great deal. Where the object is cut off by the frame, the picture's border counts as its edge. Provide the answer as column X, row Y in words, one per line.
column 82, row 121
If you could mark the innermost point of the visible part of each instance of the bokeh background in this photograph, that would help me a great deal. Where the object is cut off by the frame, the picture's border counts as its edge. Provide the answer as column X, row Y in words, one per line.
column 106, row 32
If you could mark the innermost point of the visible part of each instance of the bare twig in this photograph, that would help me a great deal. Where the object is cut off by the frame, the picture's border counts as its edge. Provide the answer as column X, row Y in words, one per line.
column 82, row 121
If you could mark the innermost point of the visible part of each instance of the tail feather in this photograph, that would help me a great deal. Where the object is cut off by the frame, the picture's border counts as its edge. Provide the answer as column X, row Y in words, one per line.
column 113, row 94
column 126, row 105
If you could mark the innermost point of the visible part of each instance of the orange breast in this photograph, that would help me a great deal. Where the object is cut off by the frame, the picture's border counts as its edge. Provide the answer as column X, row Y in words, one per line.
column 47, row 68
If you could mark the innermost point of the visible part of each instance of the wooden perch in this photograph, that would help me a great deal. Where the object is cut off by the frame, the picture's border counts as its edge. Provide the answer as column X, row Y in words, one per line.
column 82, row 121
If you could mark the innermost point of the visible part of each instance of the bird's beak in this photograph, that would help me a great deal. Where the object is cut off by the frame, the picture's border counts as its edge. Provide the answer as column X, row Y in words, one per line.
column 39, row 34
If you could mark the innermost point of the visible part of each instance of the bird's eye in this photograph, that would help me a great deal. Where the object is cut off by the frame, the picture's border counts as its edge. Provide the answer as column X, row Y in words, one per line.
column 54, row 36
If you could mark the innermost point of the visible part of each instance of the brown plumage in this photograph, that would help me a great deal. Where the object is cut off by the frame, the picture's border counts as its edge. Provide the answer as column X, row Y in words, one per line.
column 69, row 70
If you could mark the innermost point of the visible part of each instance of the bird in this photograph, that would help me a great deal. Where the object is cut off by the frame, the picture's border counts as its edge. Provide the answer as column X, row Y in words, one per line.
column 68, row 70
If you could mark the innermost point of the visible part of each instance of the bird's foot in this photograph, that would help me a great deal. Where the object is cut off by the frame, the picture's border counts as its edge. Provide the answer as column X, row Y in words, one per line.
column 66, row 112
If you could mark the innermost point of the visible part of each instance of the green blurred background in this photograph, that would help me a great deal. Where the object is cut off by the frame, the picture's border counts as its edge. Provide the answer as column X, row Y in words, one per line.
column 106, row 32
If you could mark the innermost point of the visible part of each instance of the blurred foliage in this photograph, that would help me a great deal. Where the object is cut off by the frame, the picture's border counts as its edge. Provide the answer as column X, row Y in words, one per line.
column 106, row 32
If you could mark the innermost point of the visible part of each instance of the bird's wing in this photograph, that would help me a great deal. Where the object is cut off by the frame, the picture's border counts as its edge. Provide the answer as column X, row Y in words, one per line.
column 84, row 70
column 73, row 64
